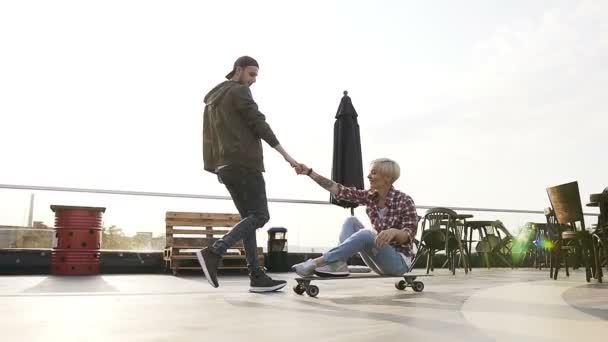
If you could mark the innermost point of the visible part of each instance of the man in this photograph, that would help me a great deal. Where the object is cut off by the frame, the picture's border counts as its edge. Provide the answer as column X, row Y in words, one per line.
column 233, row 130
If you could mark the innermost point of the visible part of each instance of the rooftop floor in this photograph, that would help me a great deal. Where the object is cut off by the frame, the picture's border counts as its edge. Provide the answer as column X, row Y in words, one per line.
column 487, row 305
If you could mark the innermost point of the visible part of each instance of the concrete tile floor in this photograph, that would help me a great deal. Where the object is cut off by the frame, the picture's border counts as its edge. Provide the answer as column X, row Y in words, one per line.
column 487, row 305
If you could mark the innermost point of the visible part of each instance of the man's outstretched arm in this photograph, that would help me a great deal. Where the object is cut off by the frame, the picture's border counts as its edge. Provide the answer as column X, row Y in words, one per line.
column 286, row 155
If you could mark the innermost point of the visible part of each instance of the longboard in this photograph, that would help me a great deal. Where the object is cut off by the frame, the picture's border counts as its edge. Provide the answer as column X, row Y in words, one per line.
column 409, row 280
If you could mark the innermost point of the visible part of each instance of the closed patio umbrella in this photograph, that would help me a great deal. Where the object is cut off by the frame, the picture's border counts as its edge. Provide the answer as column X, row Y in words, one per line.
column 347, row 167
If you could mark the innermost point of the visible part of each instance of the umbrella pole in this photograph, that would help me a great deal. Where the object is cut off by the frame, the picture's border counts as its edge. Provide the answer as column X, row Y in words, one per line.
column 352, row 211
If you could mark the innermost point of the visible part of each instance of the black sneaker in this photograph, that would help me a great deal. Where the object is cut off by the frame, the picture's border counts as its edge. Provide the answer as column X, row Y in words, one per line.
column 260, row 282
column 209, row 262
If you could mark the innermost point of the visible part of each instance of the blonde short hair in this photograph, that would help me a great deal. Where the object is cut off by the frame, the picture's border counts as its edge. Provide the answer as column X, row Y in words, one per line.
column 388, row 168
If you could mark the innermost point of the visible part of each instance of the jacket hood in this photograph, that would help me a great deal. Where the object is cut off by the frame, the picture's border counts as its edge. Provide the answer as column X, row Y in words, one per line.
column 217, row 93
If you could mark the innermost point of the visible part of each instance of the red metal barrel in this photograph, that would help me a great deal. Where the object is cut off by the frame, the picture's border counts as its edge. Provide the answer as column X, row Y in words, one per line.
column 73, row 262
column 76, row 248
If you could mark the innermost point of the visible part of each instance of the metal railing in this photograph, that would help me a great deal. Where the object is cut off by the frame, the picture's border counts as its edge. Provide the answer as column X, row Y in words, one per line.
column 215, row 197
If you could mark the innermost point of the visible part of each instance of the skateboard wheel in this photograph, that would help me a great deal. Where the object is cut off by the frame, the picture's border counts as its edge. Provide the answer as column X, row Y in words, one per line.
column 400, row 285
column 299, row 289
column 418, row 286
column 312, row 291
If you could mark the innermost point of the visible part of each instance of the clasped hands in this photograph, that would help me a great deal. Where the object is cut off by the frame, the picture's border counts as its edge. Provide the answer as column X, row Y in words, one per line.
column 299, row 168
column 385, row 237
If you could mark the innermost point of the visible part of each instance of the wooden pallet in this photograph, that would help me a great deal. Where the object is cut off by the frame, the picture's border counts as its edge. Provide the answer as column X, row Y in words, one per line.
column 187, row 232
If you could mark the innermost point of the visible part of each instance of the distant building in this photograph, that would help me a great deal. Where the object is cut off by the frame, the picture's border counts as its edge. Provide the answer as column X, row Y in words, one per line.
column 38, row 236
column 159, row 243
column 8, row 237
column 143, row 240
column 40, row 225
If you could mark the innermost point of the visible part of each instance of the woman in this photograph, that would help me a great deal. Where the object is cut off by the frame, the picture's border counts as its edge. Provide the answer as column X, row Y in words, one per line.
column 387, row 249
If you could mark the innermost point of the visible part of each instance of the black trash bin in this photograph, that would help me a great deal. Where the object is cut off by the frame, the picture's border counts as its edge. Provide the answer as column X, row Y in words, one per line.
column 277, row 250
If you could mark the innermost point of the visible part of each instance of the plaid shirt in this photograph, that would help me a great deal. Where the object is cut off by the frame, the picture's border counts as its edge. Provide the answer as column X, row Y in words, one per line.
column 401, row 212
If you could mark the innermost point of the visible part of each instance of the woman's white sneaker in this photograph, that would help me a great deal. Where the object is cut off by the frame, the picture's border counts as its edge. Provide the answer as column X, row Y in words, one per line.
column 305, row 269
column 334, row 269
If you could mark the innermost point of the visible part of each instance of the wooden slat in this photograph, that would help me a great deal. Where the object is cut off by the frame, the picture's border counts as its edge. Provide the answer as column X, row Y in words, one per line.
column 196, row 231
column 192, row 242
column 192, row 250
column 238, row 245
column 220, row 267
column 198, row 216
column 235, row 250
column 200, row 223
column 211, row 221
column 193, row 257
column 183, row 249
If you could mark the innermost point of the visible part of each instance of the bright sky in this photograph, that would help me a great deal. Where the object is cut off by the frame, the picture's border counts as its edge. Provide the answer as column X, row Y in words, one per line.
column 483, row 103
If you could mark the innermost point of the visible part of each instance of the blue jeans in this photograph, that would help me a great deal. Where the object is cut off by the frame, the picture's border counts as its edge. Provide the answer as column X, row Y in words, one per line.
column 354, row 239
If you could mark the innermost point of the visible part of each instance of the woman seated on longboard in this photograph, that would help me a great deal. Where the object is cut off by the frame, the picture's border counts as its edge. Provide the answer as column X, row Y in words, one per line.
column 387, row 249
